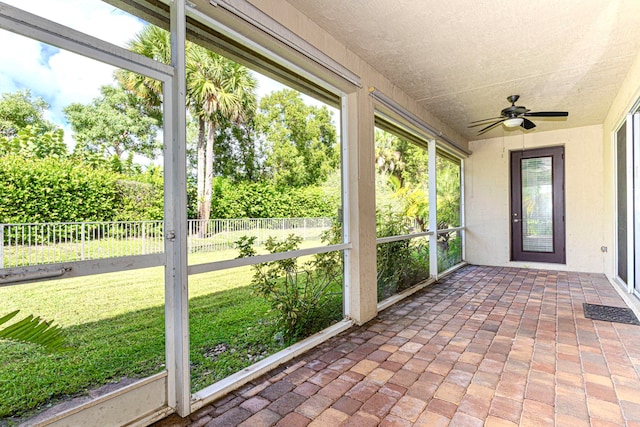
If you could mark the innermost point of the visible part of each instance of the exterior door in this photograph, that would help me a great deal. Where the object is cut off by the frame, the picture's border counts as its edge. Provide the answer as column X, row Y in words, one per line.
column 537, row 205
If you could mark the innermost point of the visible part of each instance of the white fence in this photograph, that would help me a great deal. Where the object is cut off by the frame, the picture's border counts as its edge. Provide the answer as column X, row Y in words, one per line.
column 45, row 243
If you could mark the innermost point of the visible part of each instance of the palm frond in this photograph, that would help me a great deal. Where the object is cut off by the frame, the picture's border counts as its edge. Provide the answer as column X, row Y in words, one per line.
column 33, row 330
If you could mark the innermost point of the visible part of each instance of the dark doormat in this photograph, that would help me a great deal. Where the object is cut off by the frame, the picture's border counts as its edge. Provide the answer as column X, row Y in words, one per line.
column 610, row 314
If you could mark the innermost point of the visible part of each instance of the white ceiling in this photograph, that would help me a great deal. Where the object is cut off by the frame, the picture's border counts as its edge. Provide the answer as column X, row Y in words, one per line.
column 460, row 59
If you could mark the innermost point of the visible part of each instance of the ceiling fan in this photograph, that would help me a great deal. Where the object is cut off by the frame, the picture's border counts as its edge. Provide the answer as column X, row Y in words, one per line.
column 515, row 116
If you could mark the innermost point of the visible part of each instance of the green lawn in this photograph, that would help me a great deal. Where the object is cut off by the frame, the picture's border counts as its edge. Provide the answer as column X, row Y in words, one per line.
column 115, row 324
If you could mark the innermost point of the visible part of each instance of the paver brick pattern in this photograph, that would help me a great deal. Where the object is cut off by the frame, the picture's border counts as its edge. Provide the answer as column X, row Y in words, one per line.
column 486, row 346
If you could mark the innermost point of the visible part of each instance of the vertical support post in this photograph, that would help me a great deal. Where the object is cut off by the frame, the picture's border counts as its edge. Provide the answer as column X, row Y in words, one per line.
column 1, row 245
column 433, row 209
column 463, row 221
column 82, row 240
column 630, row 211
column 635, row 138
column 175, row 213
column 359, row 205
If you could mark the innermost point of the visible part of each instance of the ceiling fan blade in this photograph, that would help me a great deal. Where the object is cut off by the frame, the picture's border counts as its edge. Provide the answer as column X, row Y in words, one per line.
column 484, row 120
column 547, row 114
column 483, row 130
column 527, row 124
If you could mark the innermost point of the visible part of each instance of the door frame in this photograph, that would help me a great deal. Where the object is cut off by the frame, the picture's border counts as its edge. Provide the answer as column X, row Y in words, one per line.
column 558, row 256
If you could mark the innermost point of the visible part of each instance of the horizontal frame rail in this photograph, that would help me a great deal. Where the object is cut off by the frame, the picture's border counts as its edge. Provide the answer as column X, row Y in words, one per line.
column 449, row 230
column 17, row 275
column 390, row 239
column 258, row 259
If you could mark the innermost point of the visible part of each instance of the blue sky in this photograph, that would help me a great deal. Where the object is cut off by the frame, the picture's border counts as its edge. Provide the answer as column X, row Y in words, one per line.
column 61, row 77
column 58, row 76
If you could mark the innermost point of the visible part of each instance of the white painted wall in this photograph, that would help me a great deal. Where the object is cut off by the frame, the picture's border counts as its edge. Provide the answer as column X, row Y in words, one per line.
column 487, row 195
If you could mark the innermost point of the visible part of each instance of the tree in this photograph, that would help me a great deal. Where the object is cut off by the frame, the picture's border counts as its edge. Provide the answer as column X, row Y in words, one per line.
column 217, row 90
column 19, row 110
column 448, row 194
column 23, row 129
column 401, row 158
column 404, row 166
column 154, row 43
column 301, row 137
column 32, row 141
column 113, row 124
column 238, row 152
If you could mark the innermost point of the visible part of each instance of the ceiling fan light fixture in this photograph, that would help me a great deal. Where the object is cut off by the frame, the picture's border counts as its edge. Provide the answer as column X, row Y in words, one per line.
column 513, row 122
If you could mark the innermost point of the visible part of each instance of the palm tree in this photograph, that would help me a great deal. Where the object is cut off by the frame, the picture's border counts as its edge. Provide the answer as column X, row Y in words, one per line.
column 216, row 88
column 154, row 43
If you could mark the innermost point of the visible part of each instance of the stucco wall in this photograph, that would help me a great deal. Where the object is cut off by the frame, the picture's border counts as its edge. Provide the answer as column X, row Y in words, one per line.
column 589, row 167
column 487, row 198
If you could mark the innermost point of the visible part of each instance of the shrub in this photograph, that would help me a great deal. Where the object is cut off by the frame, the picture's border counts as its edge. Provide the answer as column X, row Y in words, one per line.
column 449, row 250
column 138, row 201
column 306, row 298
column 55, row 189
column 400, row 264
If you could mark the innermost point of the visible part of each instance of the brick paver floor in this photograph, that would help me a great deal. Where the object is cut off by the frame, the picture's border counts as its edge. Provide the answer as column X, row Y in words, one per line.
column 486, row 346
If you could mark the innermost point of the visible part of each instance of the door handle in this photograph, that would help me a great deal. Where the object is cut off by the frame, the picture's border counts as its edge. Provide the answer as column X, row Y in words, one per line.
column 516, row 220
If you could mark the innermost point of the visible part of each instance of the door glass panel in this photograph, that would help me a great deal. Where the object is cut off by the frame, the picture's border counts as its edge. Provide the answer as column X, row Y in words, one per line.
column 621, row 145
column 537, row 204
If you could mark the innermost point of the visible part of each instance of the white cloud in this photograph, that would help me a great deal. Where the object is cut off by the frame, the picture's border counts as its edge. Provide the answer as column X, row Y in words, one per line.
column 77, row 78
column 61, row 77
column 58, row 76
column 93, row 17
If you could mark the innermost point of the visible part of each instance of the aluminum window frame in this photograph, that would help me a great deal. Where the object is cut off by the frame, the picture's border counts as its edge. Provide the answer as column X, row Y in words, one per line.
column 394, row 118
column 171, row 379
column 341, row 91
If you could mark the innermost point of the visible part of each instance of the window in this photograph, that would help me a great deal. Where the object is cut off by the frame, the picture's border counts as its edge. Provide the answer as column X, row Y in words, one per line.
column 449, row 197
column 402, row 210
column 81, row 222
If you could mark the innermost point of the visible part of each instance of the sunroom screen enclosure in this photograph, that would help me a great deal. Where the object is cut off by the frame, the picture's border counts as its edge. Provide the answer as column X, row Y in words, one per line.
column 181, row 339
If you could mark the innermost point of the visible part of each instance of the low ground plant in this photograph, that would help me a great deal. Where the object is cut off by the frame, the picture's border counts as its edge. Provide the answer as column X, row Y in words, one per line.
column 449, row 250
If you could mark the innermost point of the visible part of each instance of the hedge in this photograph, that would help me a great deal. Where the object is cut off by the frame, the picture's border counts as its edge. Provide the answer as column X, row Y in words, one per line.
column 54, row 190
column 66, row 190
column 265, row 200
